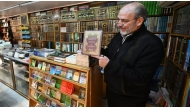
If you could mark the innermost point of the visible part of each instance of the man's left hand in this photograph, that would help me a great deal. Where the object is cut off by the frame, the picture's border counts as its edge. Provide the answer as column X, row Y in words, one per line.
column 103, row 60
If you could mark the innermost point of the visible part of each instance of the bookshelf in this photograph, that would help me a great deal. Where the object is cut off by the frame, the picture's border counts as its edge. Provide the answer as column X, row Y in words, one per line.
column 59, row 89
column 176, row 73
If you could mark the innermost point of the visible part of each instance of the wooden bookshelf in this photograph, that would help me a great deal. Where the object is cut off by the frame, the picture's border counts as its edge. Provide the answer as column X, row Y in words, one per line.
column 176, row 52
column 92, row 88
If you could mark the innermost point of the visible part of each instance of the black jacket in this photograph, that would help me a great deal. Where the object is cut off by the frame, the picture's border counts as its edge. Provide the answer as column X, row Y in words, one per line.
column 133, row 64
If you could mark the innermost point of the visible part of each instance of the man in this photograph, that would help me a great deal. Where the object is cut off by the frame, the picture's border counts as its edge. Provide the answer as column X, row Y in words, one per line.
column 10, row 34
column 131, row 59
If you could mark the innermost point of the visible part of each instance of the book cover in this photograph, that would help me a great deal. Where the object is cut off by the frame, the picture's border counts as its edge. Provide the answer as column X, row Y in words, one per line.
column 44, row 89
column 52, row 82
column 58, row 70
column 82, row 79
column 58, row 95
column 40, row 87
column 67, row 101
column 73, row 103
column 48, row 79
column 47, row 67
column 69, row 88
column 48, row 103
column 53, row 104
column 63, row 97
column 33, row 63
column 63, row 86
column 36, row 95
column 40, row 65
column 92, row 43
column 52, row 70
column 80, row 105
column 64, row 72
column 76, row 76
column 58, row 83
column 82, row 93
column 43, row 66
column 52, row 93
column 70, row 74
column 34, row 84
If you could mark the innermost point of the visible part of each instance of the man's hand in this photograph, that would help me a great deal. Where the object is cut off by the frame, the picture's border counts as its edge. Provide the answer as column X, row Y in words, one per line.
column 103, row 60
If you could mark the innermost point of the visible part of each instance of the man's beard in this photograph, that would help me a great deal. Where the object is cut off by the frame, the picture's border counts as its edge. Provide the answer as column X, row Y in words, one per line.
column 128, row 31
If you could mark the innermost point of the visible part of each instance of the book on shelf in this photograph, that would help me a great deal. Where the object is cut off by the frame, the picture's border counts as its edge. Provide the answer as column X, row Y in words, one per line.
column 82, row 79
column 76, row 76
column 33, row 63
column 39, row 65
column 48, row 79
column 32, row 92
column 58, row 95
column 82, row 93
column 80, row 104
column 34, row 84
column 53, row 104
column 40, row 85
column 63, row 86
column 48, row 103
column 44, row 89
column 70, row 74
column 52, row 70
column 58, row 83
column 58, row 70
column 43, row 66
column 64, row 72
column 52, row 93
column 36, row 95
column 69, row 88
column 67, row 101
column 63, row 97
column 73, row 103
column 52, row 82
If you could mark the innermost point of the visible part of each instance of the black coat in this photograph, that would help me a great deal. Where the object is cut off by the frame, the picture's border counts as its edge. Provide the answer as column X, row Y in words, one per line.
column 133, row 64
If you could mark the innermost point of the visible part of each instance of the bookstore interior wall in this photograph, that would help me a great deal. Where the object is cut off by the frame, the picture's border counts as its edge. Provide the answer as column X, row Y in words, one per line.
column 63, row 29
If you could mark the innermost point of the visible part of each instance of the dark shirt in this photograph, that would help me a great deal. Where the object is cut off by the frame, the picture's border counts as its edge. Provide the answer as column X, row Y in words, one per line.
column 133, row 64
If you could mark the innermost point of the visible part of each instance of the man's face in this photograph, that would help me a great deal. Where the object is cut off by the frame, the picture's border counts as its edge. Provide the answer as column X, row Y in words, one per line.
column 126, row 23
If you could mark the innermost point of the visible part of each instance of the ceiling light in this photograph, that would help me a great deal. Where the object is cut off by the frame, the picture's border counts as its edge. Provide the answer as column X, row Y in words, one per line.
column 10, row 7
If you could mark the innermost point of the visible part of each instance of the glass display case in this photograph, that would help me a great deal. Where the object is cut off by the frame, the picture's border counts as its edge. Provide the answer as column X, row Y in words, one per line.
column 6, row 74
column 21, row 77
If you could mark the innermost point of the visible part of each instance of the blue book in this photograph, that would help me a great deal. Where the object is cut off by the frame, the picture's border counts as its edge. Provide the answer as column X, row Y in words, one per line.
column 58, row 70
column 52, row 70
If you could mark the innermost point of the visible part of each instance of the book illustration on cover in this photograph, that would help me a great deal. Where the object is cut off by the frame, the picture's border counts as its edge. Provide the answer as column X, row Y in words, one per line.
column 40, row 65
column 70, row 74
column 43, row 66
column 64, row 72
column 76, row 76
column 52, row 70
column 92, row 43
column 82, row 93
column 33, row 63
column 82, row 79
column 73, row 103
column 58, row 70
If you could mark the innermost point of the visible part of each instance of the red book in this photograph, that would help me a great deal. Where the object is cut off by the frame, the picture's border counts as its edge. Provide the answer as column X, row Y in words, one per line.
column 70, row 88
column 63, row 86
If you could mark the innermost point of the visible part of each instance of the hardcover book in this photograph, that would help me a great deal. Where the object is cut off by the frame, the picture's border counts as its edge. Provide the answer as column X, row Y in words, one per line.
column 92, row 43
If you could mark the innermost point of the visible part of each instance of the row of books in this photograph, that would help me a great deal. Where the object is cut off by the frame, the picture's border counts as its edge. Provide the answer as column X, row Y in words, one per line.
column 175, row 79
column 181, row 21
column 71, row 47
column 159, row 24
column 71, row 37
column 62, row 98
column 179, row 52
column 64, row 72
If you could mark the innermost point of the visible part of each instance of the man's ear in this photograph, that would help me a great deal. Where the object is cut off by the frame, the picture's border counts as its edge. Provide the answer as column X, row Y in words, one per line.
column 140, row 21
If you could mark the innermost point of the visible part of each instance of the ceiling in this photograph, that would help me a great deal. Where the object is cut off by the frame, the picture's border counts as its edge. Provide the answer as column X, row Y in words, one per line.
column 37, row 6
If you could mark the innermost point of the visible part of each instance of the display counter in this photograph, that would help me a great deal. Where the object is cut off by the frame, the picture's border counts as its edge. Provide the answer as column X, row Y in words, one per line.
column 14, row 73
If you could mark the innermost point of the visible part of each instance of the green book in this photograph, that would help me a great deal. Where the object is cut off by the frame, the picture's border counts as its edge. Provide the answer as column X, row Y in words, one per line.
column 68, row 101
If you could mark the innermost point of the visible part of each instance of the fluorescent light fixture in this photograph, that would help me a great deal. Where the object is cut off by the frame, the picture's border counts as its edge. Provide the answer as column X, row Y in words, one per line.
column 10, row 7
column 27, row 3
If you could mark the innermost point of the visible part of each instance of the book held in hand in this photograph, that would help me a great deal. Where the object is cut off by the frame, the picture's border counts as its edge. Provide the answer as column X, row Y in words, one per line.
column 92, row 43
